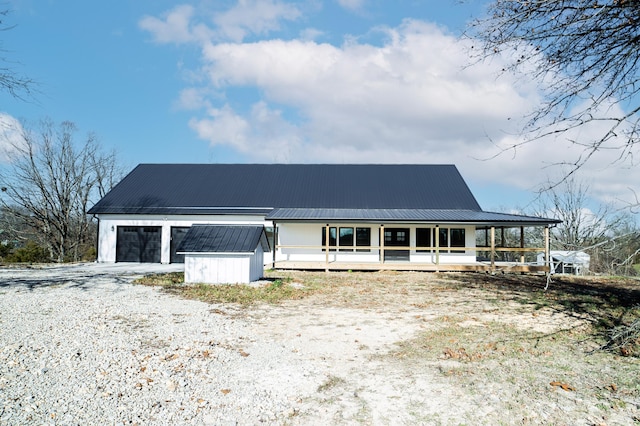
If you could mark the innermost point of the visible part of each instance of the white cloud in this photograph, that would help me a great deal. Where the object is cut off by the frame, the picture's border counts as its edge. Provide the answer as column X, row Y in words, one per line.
column 173, row 28
column 248, row 17
column 354, row 5
column 409, row 99
column 11, row 136
column 223, row 126
column 257, row 17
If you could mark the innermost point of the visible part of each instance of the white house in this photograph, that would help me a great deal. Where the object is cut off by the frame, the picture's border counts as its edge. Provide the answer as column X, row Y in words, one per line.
column 316, row 216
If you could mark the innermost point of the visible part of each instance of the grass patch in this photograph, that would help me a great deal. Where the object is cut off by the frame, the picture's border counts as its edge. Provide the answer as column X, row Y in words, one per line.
column 275, row 291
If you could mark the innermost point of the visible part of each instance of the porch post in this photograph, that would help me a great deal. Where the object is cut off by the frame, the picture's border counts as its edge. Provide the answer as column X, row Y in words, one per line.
column 436, row 231
column 522, row 244
column 493, row 248
column 382, row 243
column 275, row 227
column 326, row 248
column 547, row 257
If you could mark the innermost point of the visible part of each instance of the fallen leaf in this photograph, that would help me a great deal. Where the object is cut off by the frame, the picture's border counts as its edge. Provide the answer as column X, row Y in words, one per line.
column 243, row 353
column 564, row 386
column 225, row 391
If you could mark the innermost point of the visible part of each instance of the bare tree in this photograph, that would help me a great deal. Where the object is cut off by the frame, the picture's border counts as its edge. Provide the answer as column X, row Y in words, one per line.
column 51, row 181
column 585, row 54
column 610, row 236
column 10, row 80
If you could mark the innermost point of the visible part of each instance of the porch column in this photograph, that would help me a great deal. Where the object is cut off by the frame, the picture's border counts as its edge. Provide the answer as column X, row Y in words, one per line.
column 547, row 257
column 493, row 248
column 382, row 243
column 274, row 247
column 326, row 248
column 522, row 244
column 436, row 232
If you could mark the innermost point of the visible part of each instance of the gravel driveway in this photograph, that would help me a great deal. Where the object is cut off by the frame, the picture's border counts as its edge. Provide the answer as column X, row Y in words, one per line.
column 81, row 345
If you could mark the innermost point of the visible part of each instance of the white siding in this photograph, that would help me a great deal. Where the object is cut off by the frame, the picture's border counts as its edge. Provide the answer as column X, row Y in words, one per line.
column 295, row 234
column 223, row 268
column 109, row 225
column 217, row 268
column 257, row 265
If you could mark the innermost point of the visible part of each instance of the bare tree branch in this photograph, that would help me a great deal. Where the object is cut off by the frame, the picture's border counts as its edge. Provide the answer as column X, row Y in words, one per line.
column 585, row 55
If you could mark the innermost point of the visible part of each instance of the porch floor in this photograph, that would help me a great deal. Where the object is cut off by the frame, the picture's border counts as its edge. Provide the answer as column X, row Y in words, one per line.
column 406, row 266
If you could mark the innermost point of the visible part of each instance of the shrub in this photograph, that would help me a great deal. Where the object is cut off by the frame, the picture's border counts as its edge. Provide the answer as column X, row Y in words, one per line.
column 30, row 253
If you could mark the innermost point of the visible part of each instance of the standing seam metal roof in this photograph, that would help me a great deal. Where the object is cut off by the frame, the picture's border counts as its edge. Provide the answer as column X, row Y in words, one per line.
column 223, row 239
column 404, row 215
column 259, row 188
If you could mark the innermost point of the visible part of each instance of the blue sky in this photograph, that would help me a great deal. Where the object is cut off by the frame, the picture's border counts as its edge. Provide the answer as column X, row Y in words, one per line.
column 319, row 81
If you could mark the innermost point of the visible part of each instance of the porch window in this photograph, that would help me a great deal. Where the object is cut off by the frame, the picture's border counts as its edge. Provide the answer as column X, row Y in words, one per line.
column 423, row 239
column 332, row 237
column 346, row 239
column 443, row 239
column 363, row 238
column 457, row 239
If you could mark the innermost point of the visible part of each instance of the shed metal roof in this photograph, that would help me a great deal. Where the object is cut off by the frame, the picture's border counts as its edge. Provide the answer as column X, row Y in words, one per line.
column 223, row 239
column 259, row 188
column 405, row 215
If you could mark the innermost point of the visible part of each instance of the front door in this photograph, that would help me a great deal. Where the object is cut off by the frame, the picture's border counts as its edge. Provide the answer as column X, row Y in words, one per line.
column 396, row 237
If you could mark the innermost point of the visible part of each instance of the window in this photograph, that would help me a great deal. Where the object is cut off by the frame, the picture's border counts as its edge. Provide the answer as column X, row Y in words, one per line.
column 346, row 239
column 450, row 238
column 443, row 239
column 457, row 239
column 363, row 238
column 423, row 239
column 332, row 238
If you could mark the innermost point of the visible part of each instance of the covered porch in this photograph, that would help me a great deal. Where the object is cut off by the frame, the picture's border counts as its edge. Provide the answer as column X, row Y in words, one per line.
column 360, row 245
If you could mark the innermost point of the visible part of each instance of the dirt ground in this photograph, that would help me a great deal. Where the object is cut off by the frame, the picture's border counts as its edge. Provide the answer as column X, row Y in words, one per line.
column 416, row 348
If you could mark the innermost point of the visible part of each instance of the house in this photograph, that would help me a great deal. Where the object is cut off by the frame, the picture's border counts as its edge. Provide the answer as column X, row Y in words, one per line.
column 316, row 216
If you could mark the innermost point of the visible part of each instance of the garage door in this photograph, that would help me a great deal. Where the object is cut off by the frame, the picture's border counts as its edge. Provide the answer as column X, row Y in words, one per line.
column 138, row 244
column 177, row 235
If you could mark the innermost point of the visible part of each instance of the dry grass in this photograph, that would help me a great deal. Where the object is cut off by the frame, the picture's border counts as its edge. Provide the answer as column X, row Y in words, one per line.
column 605, row 304
column 502, row 338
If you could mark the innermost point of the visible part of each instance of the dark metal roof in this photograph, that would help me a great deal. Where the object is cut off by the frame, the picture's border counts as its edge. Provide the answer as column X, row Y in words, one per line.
column 259, row 188
column 405, row 215
column 223, row 239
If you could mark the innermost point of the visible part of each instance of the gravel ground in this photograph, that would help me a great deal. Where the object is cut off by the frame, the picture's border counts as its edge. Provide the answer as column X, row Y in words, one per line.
column 81, row 345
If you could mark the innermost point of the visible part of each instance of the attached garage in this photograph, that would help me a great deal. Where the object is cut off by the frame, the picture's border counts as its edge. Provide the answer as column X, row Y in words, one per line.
column 139, row 244
column 218, row 254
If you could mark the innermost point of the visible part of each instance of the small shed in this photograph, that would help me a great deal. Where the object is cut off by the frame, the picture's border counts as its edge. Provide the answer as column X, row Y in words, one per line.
column 567, row 262
column 223, row 254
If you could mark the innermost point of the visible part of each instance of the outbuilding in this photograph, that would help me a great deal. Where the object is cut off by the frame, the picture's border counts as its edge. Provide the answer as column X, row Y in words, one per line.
column 217, row 254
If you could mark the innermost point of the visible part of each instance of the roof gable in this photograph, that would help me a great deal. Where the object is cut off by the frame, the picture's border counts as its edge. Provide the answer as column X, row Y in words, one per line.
column 259, row 188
